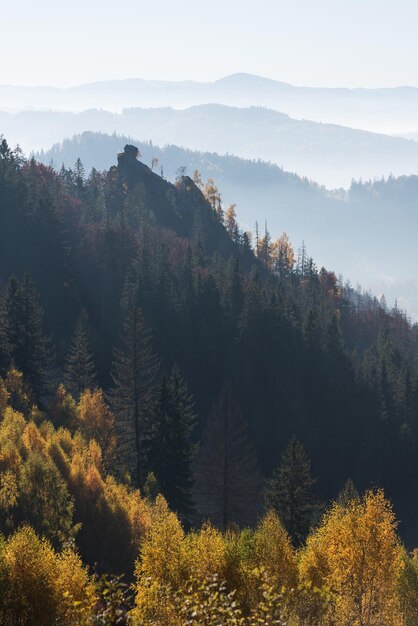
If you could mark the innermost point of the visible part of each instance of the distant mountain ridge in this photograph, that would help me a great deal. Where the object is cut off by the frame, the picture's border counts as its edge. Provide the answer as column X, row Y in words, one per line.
column 387, row 110
column 330, row 154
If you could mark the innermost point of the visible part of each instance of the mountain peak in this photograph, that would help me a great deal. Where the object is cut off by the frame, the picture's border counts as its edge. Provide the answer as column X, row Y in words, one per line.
column 245, row 79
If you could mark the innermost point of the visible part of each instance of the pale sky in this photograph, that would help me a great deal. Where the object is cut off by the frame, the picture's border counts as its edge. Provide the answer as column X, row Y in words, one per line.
column 351, row 43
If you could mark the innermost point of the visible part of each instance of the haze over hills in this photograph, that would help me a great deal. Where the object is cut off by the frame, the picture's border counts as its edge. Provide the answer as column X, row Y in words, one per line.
column 386, row 110
column 412, row 135
column 362, row 233
column 332, row 155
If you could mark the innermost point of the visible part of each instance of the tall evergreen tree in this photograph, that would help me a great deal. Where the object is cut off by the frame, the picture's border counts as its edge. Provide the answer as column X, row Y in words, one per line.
column 79, row 178
column 4, row 342
column 134, row 393
column 29, row 350
column 289, row 492
column 79, row 369
column 228, row 481
column 173, row 450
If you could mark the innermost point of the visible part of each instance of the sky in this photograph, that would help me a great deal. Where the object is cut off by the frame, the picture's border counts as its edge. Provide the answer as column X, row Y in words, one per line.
column 352, row 43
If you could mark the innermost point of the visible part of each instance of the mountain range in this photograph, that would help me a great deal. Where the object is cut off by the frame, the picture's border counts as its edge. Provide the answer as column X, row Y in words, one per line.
column 387, row 110
column 330, row 154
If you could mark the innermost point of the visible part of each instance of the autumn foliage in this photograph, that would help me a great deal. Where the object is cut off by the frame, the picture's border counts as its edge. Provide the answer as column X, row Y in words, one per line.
column 62, row 515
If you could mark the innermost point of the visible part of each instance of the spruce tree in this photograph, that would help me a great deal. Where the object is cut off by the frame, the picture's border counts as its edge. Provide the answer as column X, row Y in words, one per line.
column 79, row 178
column 29, row 350
column 228, row 481
column 133, row 396
column 79, row 369
column 289, row 492
column 173, row 450
column 4, row 342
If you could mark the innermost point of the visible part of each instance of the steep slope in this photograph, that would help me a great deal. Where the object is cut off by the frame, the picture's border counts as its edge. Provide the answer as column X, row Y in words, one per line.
column 378, row 219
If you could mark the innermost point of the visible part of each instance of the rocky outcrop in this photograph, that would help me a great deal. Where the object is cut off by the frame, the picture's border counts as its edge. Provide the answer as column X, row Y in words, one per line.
column 181, row 207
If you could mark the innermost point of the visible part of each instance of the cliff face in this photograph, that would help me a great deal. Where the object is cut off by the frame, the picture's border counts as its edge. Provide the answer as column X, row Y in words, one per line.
column 181, row 207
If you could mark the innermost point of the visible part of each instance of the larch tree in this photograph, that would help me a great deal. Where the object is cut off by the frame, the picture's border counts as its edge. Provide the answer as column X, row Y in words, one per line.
column 228, row 480
column 79, row 368
column 213, row 196
column 133, row 397
column 231, row 223
column 283, row 256
column 289, row 492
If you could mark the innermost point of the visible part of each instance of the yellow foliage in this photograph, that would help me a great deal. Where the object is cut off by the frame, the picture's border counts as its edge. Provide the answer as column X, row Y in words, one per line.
column 75, row 589
column 4, row 397
column 161, row 555
column 282, row 256
column 205, row 553
column 43, row 587
column 56, row 481
column 63, row 407
column 12, row 426
column 356, row 554
column 8, row 491
column 137, row 510
column 231, row 224
column 95, row 419
column 160, row 567
column 30, row 596
column 19, row 395
column 408, row 590
column 32, row 439
column 274, row 552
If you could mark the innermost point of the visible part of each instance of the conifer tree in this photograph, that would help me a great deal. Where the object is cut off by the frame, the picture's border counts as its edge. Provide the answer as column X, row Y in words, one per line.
column 228, row 481
column 235, row 293
column 79, row 368
column 231, row 224
column 4, row 343
column 348, row 493
column 173, row 450
column 133, row 396
column 289, row 492
column 29, row 349
column 79, row 178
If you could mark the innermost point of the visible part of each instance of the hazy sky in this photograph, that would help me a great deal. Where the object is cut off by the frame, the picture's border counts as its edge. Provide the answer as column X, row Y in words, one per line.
column 312, row 42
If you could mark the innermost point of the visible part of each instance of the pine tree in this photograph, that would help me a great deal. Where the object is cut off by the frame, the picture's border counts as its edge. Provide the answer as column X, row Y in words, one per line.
column 228, row 481
column 133, row 396
column 289, row 492
column 79, row 369
column 173, row 450
column 29, row 350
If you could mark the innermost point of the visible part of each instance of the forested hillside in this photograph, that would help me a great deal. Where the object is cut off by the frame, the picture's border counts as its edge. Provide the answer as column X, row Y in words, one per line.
column 377, row 219
column 147, row 342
